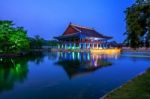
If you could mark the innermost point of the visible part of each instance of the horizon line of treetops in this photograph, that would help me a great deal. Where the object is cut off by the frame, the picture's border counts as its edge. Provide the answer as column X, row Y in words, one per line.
column 14, row 39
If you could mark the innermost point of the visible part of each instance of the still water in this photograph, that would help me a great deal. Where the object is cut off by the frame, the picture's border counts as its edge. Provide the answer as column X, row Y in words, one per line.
column 68, row 75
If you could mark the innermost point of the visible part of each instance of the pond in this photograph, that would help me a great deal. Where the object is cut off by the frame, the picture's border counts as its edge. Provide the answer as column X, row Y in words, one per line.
column 70, row 75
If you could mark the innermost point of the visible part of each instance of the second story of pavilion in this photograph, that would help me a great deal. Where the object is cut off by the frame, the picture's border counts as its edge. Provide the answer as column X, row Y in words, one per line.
column 80, row 34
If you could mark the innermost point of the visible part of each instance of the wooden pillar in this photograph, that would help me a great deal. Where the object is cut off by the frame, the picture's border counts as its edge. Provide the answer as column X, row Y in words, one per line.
column 106, row 45
column 100, row 46
column 93, row 45
column 97, row 45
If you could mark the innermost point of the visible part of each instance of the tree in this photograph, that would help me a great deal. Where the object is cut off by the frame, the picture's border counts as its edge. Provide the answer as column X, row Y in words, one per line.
column 36, row 42
column 53, row 43
column 137, row 20
column 12, row 39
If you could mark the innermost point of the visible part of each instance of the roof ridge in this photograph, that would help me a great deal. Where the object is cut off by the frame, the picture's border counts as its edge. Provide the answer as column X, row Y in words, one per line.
column 71, row 34
column 76, row 29
column 75, row 25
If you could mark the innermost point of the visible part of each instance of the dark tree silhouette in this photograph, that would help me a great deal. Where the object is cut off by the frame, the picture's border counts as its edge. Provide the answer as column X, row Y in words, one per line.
column 138, row 24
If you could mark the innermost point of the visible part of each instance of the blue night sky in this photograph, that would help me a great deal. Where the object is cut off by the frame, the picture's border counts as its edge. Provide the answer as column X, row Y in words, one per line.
column 49, row 18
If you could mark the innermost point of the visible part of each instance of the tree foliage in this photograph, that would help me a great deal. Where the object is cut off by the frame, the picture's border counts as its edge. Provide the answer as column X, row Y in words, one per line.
column 53, row 43
column 12, row 39
column 138, row 24
column 36, row 42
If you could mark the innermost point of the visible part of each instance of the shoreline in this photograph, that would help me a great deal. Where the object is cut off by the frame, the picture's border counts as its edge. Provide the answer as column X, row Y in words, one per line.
column 13, row 55
column 142, row 49
column 21, row 54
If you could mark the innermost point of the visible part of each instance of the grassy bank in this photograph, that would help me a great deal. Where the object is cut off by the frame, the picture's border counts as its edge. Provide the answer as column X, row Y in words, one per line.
column 138, row 88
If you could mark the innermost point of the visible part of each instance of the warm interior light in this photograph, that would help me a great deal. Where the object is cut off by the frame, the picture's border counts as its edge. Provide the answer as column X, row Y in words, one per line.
column 106, row 51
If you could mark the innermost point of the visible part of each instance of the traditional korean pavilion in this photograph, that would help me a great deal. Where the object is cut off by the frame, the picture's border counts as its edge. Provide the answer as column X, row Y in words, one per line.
column 80, row 37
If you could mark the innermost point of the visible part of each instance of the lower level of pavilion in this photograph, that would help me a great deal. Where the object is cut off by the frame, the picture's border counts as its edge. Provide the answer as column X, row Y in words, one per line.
column 83, row 46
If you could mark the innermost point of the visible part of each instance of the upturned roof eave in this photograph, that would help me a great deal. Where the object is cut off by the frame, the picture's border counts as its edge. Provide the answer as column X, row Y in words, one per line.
column 81, row 36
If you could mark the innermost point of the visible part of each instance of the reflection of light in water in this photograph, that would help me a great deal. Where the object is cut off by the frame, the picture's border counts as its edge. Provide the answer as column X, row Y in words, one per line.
column 79, row 56
column 58, row 55
column 93, row 57
column 100, row 57
column 88, row 56
column 65, row 55
column 17, row 67
column 73, row 55
column 108, row 53
column 96, row 61
column 97, row 57
column 85, row 56
column 61, row 54
column 116, row 56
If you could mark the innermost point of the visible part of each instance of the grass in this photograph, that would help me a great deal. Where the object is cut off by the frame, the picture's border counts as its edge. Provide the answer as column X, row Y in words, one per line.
column 137, row 88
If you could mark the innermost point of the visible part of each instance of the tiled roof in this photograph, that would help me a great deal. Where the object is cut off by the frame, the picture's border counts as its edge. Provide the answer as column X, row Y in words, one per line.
column 76, row 30
column 89, row 32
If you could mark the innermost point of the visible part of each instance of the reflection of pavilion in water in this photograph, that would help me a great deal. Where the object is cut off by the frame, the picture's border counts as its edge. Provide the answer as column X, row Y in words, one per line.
column 85, row 57
column 87, row 62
